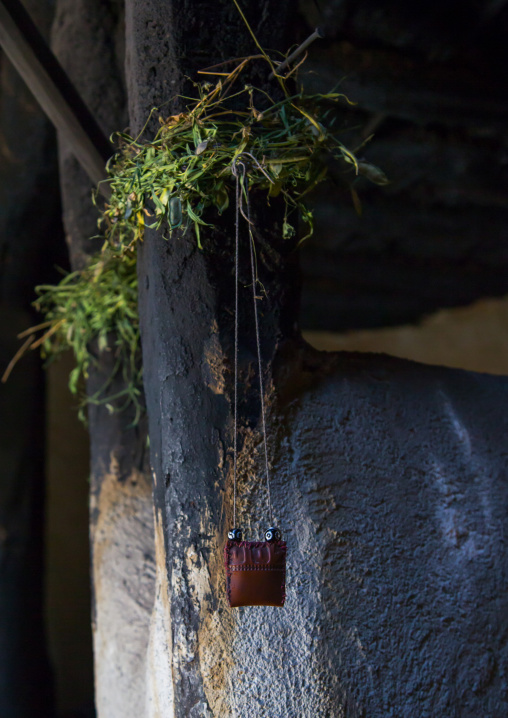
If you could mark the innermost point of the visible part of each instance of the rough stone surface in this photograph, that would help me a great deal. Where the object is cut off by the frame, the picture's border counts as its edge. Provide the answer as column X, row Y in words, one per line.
column 396, row 508
column 123, row 574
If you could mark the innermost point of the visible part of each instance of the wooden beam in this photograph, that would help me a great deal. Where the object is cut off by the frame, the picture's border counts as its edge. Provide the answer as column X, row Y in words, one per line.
column 51, row 87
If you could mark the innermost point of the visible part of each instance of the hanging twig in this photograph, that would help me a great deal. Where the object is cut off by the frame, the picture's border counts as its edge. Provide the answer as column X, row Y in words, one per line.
column 317, row 34
column 16, row 356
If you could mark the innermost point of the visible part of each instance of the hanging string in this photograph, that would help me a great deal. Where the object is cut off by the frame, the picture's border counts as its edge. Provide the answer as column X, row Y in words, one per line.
column 242, row 189
column 258, row 343
column 237, row 233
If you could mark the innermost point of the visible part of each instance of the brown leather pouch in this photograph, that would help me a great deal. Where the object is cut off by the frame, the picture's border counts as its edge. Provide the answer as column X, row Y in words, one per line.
column 255, row 573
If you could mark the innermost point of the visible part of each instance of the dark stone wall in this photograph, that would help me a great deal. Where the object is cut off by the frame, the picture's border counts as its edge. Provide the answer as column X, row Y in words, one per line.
column 429, row 80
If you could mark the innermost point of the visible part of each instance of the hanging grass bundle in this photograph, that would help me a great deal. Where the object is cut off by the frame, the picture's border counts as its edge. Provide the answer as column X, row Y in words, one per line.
column 90, row 312
column 182, row 179
column 187, row 168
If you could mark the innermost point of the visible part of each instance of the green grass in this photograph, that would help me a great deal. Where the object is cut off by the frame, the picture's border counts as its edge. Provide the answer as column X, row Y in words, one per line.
column 169, row 182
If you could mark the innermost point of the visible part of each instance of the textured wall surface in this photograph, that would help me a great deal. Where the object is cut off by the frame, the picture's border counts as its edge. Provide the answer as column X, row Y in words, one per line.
column 393, row 483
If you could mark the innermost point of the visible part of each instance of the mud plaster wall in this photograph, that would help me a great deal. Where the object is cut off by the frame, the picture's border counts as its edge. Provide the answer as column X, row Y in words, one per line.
column 474, row 337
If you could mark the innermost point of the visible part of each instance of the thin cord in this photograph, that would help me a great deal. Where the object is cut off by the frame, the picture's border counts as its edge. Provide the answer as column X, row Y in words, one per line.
column 237, row 232
column 238, row 209
column 260, row 368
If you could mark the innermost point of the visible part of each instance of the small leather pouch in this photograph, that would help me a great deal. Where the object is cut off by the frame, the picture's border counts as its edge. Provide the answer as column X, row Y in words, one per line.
column 255, row 573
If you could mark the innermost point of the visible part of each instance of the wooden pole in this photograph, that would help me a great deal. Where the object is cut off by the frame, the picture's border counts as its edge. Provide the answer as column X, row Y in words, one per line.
column 51, row 87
